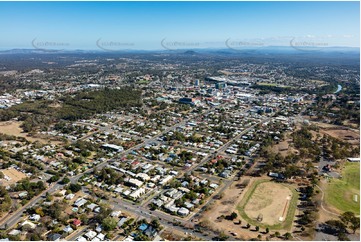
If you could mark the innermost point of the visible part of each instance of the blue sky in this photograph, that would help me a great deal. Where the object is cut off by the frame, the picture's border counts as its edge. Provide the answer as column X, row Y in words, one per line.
column 157, row 25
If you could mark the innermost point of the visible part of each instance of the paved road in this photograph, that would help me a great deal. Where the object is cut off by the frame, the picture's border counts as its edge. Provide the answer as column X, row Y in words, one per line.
column 15, row 217
column 11, row 221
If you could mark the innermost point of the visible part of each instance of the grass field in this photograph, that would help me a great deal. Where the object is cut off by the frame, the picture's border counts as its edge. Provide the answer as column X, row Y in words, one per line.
column 340, row 192
column 269, row 199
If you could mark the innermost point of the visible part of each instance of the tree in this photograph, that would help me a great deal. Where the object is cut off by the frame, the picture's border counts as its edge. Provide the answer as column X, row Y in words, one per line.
column 267, row 230
column 233, row 216
column 342, row 237
column 109, row 224
column 277, row 234
column 155, row 223
column 350, row 220
column 287, row 236
column 49, row 198
column 337, row 225
column 84, row 218
column 35, row 237
column 257, row 228
column 355, row 224
column 40, row 185
column 54, row 178
column 75, row 187
column 65, row 180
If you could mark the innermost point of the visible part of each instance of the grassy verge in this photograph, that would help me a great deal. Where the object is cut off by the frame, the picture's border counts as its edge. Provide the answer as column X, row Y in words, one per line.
column 287, row 224
column 340, row 192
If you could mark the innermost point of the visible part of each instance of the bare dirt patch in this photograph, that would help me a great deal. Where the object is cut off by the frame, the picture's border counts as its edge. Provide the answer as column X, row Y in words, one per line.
column 349, row 136
column 11, row 176
column 13, row 128
column 225, row 206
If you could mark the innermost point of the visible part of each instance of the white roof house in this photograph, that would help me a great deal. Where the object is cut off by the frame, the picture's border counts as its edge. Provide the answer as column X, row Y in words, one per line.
column 90, row 234
column 116, row 213
column 34, row 217
column 81, row 238
column 137, row 193
column 183, row 211
column 80, row 202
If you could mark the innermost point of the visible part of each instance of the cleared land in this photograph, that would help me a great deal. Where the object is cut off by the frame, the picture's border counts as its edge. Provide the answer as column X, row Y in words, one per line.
column 340, row 193
column 13, row 128
column 14, row 176
column 346, row 134
column 225, row 206
column 269, row 204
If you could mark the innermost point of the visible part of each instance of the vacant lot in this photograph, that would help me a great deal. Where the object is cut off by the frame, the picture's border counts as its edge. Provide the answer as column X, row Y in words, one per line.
column 14, row 176
column 269, row 204
column 13, row 128
column 346, row 134
column 349, row 136
column 341, row 193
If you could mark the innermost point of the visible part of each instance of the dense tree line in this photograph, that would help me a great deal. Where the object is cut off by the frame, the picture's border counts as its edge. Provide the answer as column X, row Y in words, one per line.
column 40, row 113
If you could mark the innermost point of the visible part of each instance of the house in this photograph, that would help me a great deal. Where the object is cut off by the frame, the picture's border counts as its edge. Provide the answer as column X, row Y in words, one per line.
column 30, row 224
column 213, row 185
column 99, row 228
column 54, row 237
column 175, row 173
column 90, row 234
column 101, row 236
column 118, row 190
column 150, row 232
column 77, row 222
column 80, row 202
column 183, row 189
column 62, row 192
column 68, row 229
column 189, row 205
column 183, row 211
column 23, row 195
column 122, row 221
column 137, row 193
column 92, row 206
column 129, row 238
column 134, row 182
column 143, row 176
column 158, row 202
column 172, row 192
column 34, row 217
column 143, row 227
column 225, row 174
column 70, row 196
column 112, row 147
column 166, row 180
column 97, row 210
column 15, row 232
column 116, row 213
column 81, row 238
column 178, row 195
